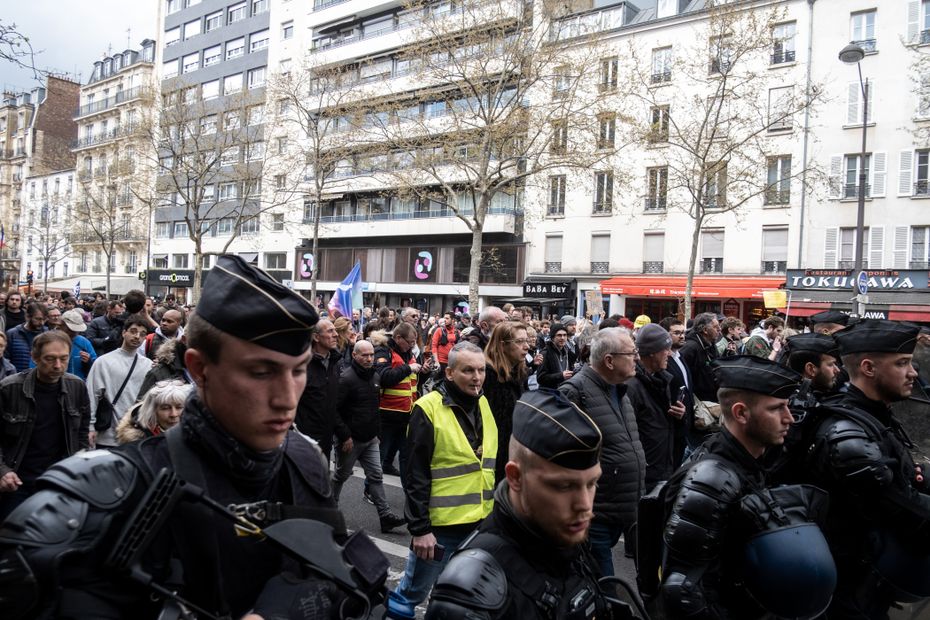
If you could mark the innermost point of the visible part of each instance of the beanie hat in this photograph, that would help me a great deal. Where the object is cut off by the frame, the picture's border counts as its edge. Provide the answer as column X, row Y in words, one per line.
column 652, row 338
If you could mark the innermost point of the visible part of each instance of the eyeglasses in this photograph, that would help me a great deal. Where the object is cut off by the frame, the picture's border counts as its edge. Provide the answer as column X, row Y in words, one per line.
column 520, row 341
column 634, row 352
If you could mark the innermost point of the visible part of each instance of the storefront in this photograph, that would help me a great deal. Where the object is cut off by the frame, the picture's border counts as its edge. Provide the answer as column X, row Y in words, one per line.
column 163, row 281
column 547, row 298
column 659, row 296
column 899, row 295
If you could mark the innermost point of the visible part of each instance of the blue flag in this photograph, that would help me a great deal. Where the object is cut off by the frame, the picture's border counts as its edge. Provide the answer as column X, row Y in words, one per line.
column 348, row 294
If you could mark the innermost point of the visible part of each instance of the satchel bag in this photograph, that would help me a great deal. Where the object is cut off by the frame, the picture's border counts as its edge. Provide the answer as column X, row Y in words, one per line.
column 105, row 409
column 706, row 415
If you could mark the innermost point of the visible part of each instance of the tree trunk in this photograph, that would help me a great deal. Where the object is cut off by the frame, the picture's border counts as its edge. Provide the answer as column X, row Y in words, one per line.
column 695, row 239
column 198, row 273
column 314, row 272
column 106, row 268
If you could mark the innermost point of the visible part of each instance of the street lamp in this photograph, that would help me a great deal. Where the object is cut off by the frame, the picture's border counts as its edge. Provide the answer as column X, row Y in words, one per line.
column 853, row 54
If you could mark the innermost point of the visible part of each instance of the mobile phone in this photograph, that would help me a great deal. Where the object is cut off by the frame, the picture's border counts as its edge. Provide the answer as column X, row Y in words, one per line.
column 682, row 393
column 439, row 551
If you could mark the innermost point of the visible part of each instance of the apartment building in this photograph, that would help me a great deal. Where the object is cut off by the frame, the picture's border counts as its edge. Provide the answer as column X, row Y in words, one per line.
column 109, row 236
column 36, row 129
column 48, row 219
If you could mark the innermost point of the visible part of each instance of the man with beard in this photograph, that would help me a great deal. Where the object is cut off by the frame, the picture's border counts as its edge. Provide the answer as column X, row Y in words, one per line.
column 878, row 525
column 13, row 313
column 816, row 358
column 169, row 328
column 534, row 539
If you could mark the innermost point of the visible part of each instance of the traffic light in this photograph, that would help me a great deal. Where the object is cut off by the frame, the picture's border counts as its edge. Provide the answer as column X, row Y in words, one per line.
column 29, row 276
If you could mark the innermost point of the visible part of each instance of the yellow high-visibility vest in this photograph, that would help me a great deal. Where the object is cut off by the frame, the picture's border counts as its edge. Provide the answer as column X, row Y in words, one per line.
column 462, row 488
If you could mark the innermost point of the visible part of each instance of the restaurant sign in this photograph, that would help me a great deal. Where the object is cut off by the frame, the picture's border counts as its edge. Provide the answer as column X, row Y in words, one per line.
column 840, row 279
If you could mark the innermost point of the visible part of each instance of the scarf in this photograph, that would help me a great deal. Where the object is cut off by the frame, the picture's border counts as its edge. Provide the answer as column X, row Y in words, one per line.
column 253, row 469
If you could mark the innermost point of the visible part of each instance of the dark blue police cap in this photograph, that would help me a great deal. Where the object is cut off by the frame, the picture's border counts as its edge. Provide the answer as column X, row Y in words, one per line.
column 830, row 316
column 241, row 300
column 878, row 336
column 815, row 343
column 550, row 425
column 756, row 374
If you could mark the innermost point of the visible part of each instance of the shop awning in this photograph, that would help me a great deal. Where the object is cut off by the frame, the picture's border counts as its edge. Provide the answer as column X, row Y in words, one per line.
column 738, row 287
column 541, row 301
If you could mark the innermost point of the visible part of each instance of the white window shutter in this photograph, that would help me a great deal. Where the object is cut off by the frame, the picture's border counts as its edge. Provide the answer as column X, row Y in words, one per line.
column 876, row 247
column 900, row 247
column 905, row 173
column 879, row 165
column 829, row 248
column 913, row 20
column 836, row 177
column 853, row 115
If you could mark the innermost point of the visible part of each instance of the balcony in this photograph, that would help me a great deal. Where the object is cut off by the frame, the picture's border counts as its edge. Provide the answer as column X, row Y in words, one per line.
column 656, row 204
column 589, row 23
column 867, row 45
column 602, row 208
column 712, row 265
column 774, row 267
column 600, row 266
column 919, row 264
column 924, row 37
column 109, row 102
column 653, row 266
column 782, row 56
column 777, row 196
column 851, row 190
column 417, row 214
column 102, row 137
column 319, row 5
column 551, row 267
column 661, row 77
column 555, row 210
column 922, row 187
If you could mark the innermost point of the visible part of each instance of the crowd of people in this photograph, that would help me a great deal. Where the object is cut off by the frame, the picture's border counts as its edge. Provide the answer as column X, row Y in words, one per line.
column 743, row 471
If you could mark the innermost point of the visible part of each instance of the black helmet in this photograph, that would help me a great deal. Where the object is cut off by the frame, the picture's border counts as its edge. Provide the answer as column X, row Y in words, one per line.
column 790, row 571
column 904, row 568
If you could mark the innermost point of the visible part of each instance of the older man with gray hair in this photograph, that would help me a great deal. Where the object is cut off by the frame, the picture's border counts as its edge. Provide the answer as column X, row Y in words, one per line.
column 487, row 320
column 599, row 390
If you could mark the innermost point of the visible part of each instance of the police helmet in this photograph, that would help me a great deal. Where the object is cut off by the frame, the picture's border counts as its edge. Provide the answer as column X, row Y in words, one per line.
column 790, row 571
column 904, row 568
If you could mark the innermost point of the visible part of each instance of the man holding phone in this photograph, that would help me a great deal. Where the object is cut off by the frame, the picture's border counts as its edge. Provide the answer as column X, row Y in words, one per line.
column 656, row 413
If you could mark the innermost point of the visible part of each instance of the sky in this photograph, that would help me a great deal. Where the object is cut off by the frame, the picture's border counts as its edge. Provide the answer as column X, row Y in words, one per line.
column 69, row 35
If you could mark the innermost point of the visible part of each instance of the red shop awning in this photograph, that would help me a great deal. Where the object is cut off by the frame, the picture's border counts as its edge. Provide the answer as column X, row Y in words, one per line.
column 739, row 287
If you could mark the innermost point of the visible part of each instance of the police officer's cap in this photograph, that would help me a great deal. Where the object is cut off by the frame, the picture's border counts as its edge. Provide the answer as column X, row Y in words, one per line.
column 550, row 425
column 756, row 374
column 814, row 343
column 244, row 301
column 878, row 336
column 830, row 316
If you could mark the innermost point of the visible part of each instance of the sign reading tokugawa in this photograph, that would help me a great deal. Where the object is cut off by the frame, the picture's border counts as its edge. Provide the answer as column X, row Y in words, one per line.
column 840, row 279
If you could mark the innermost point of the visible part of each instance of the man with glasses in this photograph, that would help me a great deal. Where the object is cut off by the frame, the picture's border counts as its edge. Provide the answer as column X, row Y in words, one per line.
column 599, row 390
column 681, row 378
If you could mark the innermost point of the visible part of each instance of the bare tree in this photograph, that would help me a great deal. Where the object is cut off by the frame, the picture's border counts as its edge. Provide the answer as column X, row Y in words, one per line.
column 16, row 48
column 210, row 157
column 721, row 116
column 47, row 235
column 493, row 104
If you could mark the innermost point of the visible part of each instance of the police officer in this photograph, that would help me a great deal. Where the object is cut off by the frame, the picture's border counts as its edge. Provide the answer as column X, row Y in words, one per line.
column 829, row 322
column 248, row 348
column 730, row 540
column 531, row 549
column 878, row 524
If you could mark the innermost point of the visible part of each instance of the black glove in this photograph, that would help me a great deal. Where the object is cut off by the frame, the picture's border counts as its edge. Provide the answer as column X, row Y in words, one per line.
column 287, row 597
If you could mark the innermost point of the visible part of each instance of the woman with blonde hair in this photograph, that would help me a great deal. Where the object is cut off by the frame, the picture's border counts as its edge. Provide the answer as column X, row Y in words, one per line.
column 505, row 380
column 345, row 340
column 157, row 412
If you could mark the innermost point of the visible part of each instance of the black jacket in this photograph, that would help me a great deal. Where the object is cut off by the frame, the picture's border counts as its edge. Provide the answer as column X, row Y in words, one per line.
column 698, row 357
column 681, row 378
column 357, row 401
column 502, row 397
column 18, row 416
column 623, row 462
column 554, row 363
column 105, row 334
column 169, row 364
column 649, row 394
column 316, row 411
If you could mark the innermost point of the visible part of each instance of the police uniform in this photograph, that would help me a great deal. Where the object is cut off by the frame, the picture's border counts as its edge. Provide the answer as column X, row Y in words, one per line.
column 508, row 568
column 730, row 538
column 878, row 525
column 67, row 550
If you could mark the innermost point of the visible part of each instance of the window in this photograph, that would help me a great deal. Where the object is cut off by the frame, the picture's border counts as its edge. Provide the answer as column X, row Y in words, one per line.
column 851, row 175
column 278, row 260
column 249, row 225
column 280, row 181
column 209, row 192
column 559, row 143
column 653, row 252
column 607, row 129
column 224, row 226
column 603, row 191
column 284, row 66
column 208, row 125
column 862, row 29
column 661, row 65
column 556, row 195
column 257, row 77
column 229, row 190
column 778, row 188
column 162, row 230
column 191, row 94
column 232, row 84
column 236, row 12
column 235, row 48
column 231, row 119
column 256, row 150
column 774, row 249
column 783, row 43
column 780, row 108
column 159, row 261
column 277, row 222
column 712, row 251
column 715, row 186
column 854, row 103
column 180, row 230
column 256, row 115
column 657, row 188
column 173, row 6
column 280, row 146
column 180, row 261
column 922, row 186
column 191, row 29
column 287, row 30
column 847, row 256
column 212, row 55
column 658, row 124
column 259, row 6
column 600, row 252
column 562, row 82
column 213, row 21
column 230, row 156
column 169, row 69
column 258, row 41
column 609, row 68
column 172, row 36
column 191, row 62
column 210, row 90
column 721, row 55
column 553, row 262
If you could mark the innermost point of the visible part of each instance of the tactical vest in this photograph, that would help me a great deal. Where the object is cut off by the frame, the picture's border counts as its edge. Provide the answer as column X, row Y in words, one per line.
column 399, row 397
column 462, row 487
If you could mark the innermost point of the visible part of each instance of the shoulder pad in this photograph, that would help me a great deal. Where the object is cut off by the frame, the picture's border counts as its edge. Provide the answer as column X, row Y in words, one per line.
column 474, row 580
column 44, row 518
column 101, row 478
column 854, row 454
column 714, row 478
column 700, row 513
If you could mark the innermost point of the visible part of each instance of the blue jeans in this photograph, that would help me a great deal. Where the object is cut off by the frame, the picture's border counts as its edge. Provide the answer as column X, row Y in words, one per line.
column 420, row 575
column 603, row 538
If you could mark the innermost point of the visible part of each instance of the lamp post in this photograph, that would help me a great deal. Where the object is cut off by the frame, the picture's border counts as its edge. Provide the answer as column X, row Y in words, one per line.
column 853, row 54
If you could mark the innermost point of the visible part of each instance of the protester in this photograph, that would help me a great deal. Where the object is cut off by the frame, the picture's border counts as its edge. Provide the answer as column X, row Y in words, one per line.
column 345, row 341
column 82, row 351
column 13, row 313
column 168, row 365
column 505, row 381
column 444, row 337
column 487, row 320
column 158, row 411
column 6, row 366
column 19, row 338
column 169, row 328
column 558, row 359
column 767, row 344
column 398, row 372
column 105, row 332
column 317, row 416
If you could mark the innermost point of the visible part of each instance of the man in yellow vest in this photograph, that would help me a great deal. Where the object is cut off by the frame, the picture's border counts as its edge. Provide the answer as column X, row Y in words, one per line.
column 451, row 444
